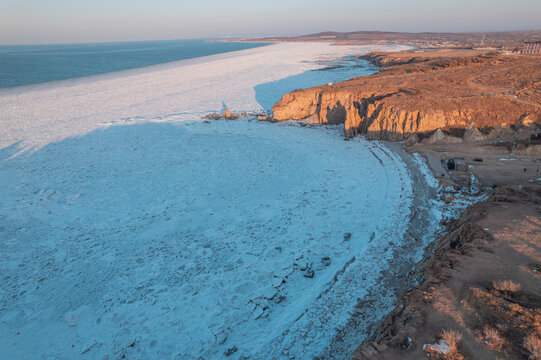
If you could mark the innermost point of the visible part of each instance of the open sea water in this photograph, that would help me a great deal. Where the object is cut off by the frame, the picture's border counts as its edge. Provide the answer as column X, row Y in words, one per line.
column 32, row 64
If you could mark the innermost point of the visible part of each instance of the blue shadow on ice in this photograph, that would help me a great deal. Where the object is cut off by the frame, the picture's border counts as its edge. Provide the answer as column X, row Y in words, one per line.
column 268, row 94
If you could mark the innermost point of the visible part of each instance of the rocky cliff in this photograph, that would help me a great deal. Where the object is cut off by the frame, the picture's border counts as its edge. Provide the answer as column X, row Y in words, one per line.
column 416, row 93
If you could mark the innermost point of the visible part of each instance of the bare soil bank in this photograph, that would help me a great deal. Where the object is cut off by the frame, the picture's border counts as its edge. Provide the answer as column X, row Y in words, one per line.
column 481, row 293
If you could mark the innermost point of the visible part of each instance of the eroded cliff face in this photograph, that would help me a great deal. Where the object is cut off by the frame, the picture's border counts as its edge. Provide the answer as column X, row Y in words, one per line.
column 418, row 94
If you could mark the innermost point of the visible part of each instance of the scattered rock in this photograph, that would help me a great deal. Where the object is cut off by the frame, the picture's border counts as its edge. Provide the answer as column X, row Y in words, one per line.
column 213, row 116
column 347, row 236
column 230, row 351
column 309, row 273
column 326, row 260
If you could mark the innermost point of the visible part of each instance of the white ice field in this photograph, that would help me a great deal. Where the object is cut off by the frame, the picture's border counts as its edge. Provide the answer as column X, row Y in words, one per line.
column 164, row 237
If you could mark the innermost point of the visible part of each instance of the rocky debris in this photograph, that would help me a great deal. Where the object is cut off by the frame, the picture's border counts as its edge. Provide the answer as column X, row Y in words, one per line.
column 231, row 351
column 264, row 117
column 347, row 236
column 326, row 260
column 228, row 115
column 309, row 272
column 213, row 116
column 442, row 97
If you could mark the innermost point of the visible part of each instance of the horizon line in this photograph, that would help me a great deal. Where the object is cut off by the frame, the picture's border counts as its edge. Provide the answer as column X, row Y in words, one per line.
column 255, row 37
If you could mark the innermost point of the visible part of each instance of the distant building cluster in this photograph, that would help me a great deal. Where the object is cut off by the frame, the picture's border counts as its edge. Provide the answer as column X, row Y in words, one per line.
column 532, row 48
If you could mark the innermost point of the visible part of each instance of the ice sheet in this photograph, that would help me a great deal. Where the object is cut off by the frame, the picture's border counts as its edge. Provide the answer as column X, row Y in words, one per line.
column 39, row 114
column 163, row 239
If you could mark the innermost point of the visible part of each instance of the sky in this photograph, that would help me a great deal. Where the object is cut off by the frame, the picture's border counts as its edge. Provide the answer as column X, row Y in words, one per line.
column 68, row 21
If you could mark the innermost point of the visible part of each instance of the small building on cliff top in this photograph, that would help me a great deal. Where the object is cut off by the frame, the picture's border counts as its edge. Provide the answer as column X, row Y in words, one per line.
column 532, row 48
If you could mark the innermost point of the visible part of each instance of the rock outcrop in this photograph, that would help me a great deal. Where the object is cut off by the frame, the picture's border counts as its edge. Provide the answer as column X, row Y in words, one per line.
column 420, row 92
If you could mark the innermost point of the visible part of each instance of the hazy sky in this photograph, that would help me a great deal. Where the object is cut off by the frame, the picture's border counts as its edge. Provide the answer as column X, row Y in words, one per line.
column 56, row 21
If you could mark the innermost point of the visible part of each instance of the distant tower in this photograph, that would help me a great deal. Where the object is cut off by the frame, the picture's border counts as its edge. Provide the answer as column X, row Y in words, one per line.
column 483, row 40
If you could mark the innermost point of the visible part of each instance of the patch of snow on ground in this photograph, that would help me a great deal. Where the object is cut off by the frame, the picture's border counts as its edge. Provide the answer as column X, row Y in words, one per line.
column 441, row 347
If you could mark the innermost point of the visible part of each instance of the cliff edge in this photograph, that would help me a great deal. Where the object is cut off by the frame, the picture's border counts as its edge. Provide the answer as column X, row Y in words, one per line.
column 417, row 93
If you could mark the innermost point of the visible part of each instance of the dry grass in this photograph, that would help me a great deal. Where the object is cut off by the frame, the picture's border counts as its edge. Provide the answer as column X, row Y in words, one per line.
column 447, row 348
column 532, row 343
column 492, row 338
column 506, row 286
column 452, row 338
column 491, row 334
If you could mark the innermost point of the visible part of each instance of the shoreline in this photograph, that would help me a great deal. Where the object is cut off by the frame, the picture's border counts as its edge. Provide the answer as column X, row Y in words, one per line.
column 326, row 296
column 402, row 271
column 88, row 79
column 473, row 122
column 120, row 72
column 35, row 115
column 50, row 193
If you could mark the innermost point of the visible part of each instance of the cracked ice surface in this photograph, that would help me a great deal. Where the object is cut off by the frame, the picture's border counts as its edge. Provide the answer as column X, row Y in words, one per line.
column 190, row 238
column 186, row 239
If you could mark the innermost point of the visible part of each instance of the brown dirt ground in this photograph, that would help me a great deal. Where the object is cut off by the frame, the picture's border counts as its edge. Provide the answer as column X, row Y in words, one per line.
column 498, row 166
column 482, row 288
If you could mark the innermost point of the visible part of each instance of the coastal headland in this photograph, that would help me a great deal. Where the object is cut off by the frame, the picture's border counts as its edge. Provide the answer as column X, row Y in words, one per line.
column 419, row 92
column 479, row 297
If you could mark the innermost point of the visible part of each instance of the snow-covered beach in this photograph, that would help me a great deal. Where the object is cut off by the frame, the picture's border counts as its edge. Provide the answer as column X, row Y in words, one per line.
column 132, row 228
